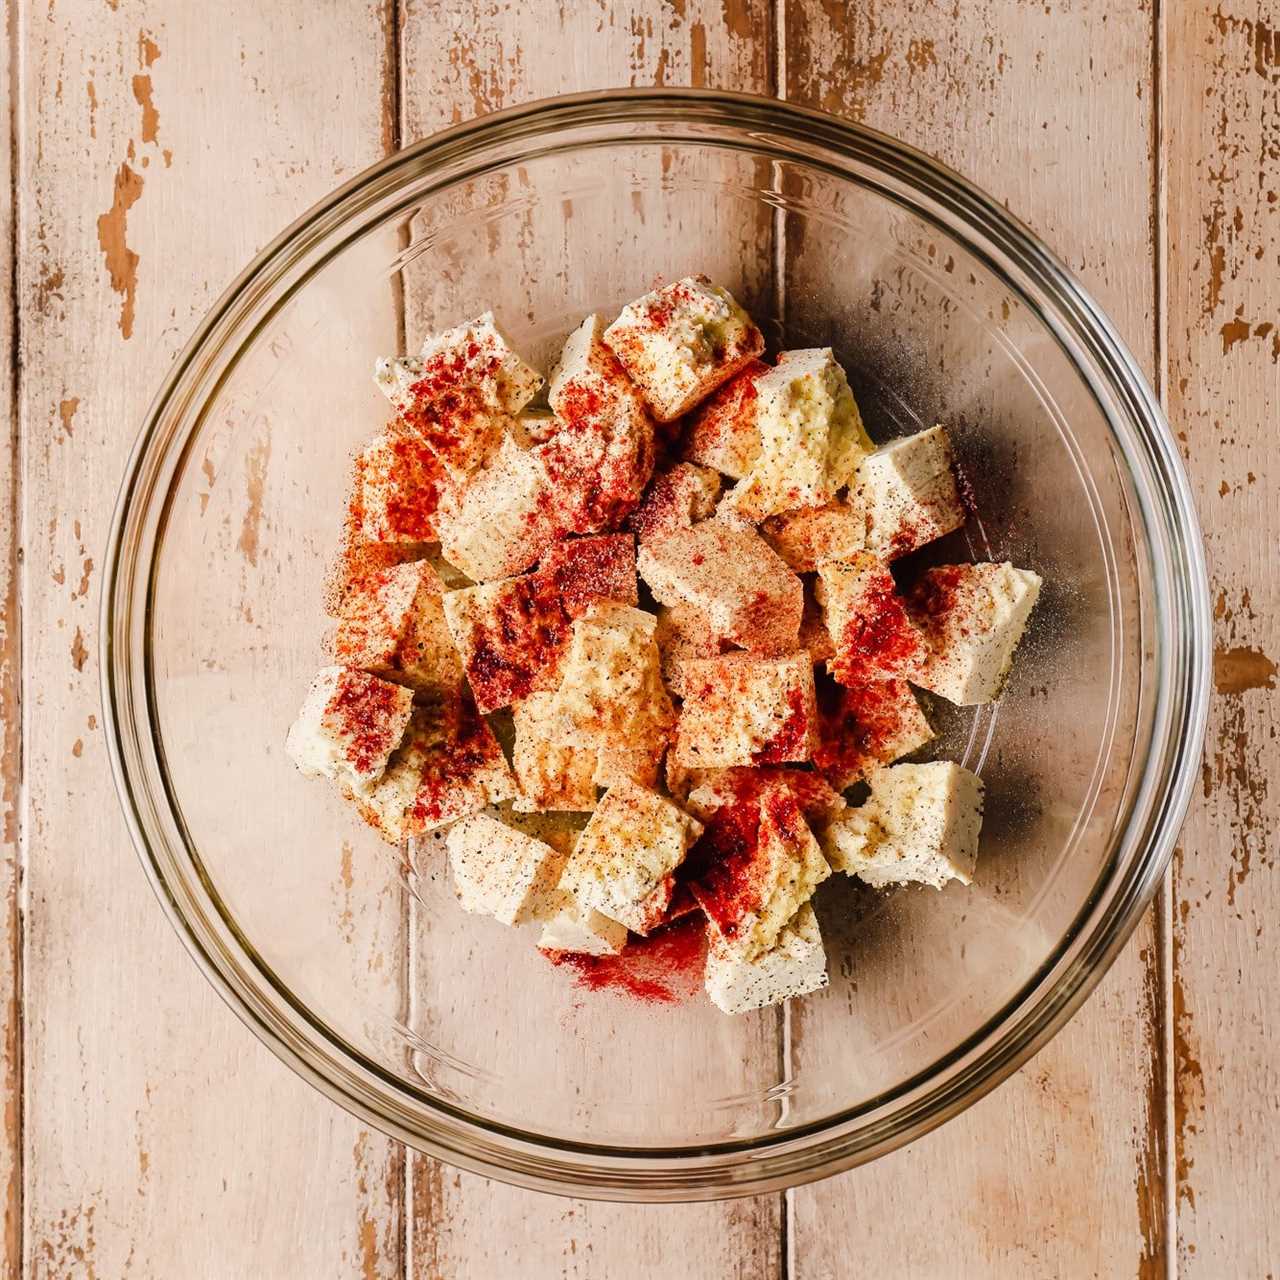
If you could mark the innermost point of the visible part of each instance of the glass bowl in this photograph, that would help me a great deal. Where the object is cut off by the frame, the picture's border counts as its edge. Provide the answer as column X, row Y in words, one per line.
column 356, row 965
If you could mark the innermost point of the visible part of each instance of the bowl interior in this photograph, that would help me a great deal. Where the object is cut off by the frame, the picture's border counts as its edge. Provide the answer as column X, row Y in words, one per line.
column 372, row 946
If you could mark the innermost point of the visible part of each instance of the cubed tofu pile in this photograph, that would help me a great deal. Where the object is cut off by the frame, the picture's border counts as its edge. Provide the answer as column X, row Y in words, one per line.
column 687, row 585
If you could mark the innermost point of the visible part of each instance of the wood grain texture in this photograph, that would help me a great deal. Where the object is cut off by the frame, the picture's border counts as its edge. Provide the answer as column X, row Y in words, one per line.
column 10, row 687
column 1222, row 132
column 161, row 146
column 1049, row 108
column 505, row 53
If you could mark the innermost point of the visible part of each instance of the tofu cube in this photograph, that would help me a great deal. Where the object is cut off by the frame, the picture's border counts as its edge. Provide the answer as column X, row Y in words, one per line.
column 873, row 635
column 611, row 693
column 513, row 633
column 815, row 639
column 683, row 632
column 755, row 866
column 680, row 342
column 811, row 437
column 349, row 725
column 640, row 765
column 677, row 499
column 549, row 775
column 973, row 617
column 448, row 766
column 864, row 727
column 742, row 709
column 712, row 788
column 805, row 538
column 723, row 433
column 501, row 872
column 795, row 965
column 734, row 577
column 920, row 825
column 460, row 392
column 624, row 862
column 502, row 518
column 909, row 493
column 399, row 482
column 582, row 932
column 601, row 453
column 392, row 624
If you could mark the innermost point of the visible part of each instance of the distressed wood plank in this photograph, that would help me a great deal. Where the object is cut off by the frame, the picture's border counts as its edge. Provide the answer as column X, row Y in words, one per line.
column 161, row 146
column 463, row 1226
column 1061, row 1171
column 1222, row 165
column 10, row 708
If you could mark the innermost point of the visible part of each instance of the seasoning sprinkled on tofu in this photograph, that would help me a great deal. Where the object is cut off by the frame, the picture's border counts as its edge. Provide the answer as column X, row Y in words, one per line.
column 863, row 727
column 795, row 965
column 723, row 433
column 908, row 490
column 873, row 636
column 501, row 872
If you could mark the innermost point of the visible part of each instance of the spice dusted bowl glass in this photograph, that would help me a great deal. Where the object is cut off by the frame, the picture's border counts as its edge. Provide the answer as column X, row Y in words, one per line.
column 447, row 1030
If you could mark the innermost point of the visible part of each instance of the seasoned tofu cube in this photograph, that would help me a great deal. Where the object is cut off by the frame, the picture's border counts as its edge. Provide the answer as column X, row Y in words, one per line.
column 678, row 499
column 811, row 437
column 919, row 825
column 611, row 693
column 908, row 491
column 873, row 635
column 460, row 392
column 755, row 866
column 712, row 788
column 501, row 872
column 863, row 727
column 624, row 862
column 680, row 342
column 582, row 932
column 640, row 765
column 601, row 453
column 399, row 482
column 815, row 639
column 723, row 433
column 742, row 709
column 349, row 725
column 392, row 624
column 795, row 965
column 448, row 766
column 502, row 519
column 731, row 575
column 973, row 617
column 550, row 776
column 683, row 632
column 513, row 633
column 807, row 537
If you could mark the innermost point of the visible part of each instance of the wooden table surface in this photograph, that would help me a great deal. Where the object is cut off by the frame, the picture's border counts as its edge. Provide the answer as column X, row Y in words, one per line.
column 153, row 148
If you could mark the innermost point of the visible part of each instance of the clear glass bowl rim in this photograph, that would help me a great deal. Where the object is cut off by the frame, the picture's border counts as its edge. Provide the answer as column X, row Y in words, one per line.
column 1141, row 851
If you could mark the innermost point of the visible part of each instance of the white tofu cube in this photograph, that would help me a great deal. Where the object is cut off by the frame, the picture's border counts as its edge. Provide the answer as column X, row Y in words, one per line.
column 582, row 932
column 973, row 617
column 550, row 776
column 399, row 482
column 755, row 866
column 864, row 727
column 623, row 863
column 920, row 825
column 677, row 499
column 683, row 632
column 349, row 725
column 611, row 693
column 502, row 519
column 873, row 635
column 392, row 624
column 448, row 766
column 601, row 454
column 501, row 872
column 807, row 537
column 513, row 633
column 742, row 709
column 734, row 577
column 795, row 965
column 811, row 437
column 909, row 494
column 680, row 342
column 723, row 433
